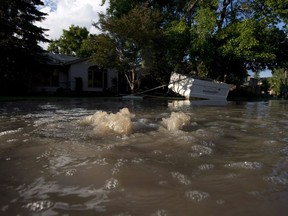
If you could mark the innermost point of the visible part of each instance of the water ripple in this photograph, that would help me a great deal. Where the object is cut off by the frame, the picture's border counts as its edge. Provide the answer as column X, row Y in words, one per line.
column 279, row 174
column 38, row 193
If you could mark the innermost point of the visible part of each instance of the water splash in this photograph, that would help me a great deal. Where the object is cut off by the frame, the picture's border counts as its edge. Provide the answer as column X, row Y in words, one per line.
column 105, row 123
column 176, row 121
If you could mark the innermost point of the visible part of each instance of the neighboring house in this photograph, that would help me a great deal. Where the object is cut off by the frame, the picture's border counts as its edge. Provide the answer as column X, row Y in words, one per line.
column 252, row 86
column 69, row 73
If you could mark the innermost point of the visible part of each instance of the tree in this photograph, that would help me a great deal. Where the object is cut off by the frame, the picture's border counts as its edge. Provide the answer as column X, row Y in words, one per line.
column 88, row 46
column 103, row 51
column 278, row 8
column 70, row 41
column 215, row 39
column 229, row 37
column 19, row 39
column 176, row 36
column 131, row 37
column 278, row 82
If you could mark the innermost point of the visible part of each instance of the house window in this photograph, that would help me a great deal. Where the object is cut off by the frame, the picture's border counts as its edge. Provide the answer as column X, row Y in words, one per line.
column 97, row 78
column 49, row 78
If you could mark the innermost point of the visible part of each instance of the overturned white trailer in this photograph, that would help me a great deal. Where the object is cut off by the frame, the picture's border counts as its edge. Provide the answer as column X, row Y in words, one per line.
column 191, row 87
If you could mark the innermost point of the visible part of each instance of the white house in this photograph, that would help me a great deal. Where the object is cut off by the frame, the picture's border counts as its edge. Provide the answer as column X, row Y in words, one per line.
column 69, row 73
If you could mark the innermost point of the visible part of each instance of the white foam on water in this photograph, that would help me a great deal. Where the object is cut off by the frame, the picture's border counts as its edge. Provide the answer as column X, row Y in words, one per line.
column 160, row 212
column 196, row 195
column 181, row 178
column 39, row 205
column 105, row 123
column 176, row 121
column 70, row 172
column 199, row 150
column 10, row 131
column 244, row 165
column 120, row 162
column 205, row 167
column 12, row 140
column 111, row 184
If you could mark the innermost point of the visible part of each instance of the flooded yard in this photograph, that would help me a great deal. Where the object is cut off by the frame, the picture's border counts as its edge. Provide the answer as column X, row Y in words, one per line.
column 143, row 157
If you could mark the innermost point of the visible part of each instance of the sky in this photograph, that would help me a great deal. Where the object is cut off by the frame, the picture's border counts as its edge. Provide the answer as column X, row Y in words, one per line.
column 63, row 13
column 264, row 73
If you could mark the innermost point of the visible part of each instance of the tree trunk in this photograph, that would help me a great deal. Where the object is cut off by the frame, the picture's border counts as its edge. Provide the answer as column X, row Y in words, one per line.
column 130, row 76
column 223, row 14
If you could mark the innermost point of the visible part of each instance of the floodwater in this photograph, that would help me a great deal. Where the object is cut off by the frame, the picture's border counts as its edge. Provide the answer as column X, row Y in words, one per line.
column 143, row 157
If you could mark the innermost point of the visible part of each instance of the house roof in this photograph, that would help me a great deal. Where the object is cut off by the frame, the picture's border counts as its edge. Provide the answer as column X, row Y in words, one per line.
column 60, row 59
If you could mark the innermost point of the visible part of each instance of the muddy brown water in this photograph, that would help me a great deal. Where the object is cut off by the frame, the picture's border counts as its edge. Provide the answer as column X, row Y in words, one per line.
column 226, row 159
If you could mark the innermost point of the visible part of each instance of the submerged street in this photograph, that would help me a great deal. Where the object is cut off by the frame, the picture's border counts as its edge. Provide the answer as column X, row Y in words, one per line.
column 155, row 157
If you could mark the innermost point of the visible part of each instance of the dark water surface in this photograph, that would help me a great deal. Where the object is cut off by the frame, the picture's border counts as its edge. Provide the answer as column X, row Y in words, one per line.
column 229, row 159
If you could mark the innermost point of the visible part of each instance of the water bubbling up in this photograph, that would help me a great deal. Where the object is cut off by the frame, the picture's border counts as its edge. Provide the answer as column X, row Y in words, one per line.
column 120, row 123
column 176, row 121
column 105, row 123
